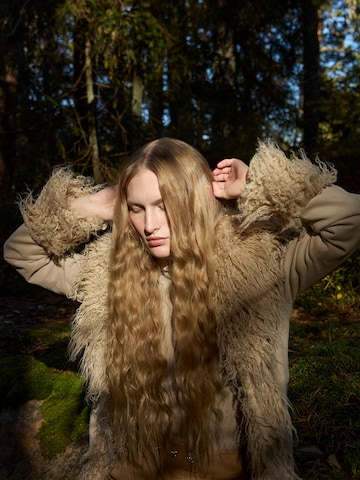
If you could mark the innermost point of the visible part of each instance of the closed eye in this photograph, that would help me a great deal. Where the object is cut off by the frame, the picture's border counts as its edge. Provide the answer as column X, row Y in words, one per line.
column 135, row 208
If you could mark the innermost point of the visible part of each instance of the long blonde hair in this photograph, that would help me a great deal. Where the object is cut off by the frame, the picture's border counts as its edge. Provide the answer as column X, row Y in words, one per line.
column 136, row 366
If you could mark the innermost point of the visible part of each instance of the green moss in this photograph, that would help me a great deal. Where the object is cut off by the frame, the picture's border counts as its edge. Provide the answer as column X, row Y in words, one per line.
column 45, row 335
column 23, row 378
column 65, row 414
column 52, row 346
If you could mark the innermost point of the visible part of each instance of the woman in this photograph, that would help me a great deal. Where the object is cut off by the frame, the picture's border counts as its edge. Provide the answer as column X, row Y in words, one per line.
column 185, row 302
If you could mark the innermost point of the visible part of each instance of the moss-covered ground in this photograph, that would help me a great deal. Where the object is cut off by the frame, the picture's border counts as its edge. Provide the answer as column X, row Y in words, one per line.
column 34, row 365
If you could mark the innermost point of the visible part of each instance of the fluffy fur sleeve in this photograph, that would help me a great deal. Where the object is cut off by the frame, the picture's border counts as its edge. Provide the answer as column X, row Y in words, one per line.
column 51, row 222
column 280, row 187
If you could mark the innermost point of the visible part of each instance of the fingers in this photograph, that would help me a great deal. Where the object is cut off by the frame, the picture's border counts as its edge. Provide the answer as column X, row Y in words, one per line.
column 221, row 174
column 226, row 162
column 224, row 168
column 220, row 177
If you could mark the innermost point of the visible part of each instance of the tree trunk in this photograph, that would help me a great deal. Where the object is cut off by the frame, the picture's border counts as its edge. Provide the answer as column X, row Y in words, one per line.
column 156, row 106
column 137, row 97
column 8, row 124
column 225, row 79
column 311, row 76
column 93, row 140
column 79, row 83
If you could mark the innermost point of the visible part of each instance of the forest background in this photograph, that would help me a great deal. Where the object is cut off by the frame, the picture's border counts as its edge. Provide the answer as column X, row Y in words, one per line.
column 86, row 82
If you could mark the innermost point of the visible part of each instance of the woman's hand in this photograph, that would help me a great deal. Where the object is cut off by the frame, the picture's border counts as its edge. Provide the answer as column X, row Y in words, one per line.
column 100, row 204
column 230, row 177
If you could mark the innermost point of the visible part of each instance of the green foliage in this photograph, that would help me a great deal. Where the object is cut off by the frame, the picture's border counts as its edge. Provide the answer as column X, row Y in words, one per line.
column 325, row 374
column 325, row 392
column 338, row 291
column 218, row 75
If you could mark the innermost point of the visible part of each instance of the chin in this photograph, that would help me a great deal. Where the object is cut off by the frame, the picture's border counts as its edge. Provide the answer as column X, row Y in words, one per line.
column 160, row 252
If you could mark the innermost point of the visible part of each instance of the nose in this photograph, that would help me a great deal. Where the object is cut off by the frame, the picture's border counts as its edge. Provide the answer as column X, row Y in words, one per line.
column 151, row 223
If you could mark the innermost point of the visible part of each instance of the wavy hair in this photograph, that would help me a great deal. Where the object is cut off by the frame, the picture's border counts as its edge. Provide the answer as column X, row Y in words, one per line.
column 138, row 373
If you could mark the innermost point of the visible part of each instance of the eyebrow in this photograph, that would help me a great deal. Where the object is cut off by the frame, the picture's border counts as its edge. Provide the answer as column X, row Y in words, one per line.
column 155, row 202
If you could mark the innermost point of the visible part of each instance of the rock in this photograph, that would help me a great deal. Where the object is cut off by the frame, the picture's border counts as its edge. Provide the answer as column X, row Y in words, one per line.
column 20, row 453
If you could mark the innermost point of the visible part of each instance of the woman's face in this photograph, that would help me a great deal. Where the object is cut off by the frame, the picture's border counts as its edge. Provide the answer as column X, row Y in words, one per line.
column 147, row 213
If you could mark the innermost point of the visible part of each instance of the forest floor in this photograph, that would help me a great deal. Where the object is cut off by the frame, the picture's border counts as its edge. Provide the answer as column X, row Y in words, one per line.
column 21, row 457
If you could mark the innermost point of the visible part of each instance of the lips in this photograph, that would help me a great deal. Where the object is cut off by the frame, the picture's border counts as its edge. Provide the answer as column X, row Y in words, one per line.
column 156, row 242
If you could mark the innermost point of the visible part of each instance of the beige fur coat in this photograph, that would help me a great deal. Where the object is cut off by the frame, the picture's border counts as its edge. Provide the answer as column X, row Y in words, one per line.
column 249, row 285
